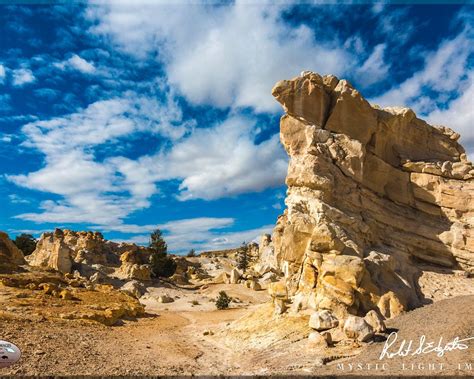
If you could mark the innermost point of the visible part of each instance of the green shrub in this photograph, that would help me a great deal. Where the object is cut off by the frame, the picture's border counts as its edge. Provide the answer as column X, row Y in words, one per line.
column 223, row 300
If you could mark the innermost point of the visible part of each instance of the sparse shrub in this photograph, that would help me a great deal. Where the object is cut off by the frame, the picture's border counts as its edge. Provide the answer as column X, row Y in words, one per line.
column 243, row 257
column 161, row 264
column 192, row 253
column 26, row 243
column 195, row 302
column 223, row 300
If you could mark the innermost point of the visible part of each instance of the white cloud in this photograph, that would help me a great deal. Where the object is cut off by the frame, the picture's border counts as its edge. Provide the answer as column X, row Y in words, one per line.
column 15, row 199
column 75, row 62
column 459, row 115
column 22, row 76
column 374, row 69
column 226, row 56
column 215, row 162
column 442, row 73
column 92, row 191
column 7, row 138
column 2, row 73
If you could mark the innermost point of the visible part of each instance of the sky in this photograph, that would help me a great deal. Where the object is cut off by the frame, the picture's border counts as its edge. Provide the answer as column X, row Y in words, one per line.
column 127, row 116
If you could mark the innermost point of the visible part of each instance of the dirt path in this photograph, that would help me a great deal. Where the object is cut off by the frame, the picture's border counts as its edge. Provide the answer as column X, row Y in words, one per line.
column 172, row 342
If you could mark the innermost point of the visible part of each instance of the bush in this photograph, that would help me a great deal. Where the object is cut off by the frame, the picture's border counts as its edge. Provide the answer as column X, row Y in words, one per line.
column 161, row 264
column 192, row 253
column 26, row 243
column 223, row 300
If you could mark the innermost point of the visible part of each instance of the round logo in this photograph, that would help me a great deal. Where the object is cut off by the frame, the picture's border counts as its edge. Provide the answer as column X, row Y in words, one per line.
column 9, row 353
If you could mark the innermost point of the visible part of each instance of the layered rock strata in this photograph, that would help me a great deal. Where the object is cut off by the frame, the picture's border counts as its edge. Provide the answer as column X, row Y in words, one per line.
column 371, row 193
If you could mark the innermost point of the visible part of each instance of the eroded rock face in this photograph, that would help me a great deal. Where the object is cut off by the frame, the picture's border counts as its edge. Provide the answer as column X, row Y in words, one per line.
column 90, row 254
column 10, row 255
column 371, row 192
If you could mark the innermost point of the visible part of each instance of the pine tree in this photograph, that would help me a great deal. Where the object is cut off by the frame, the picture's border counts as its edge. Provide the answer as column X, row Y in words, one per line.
column 26, row 243
column 243, row 257
column 161, row 264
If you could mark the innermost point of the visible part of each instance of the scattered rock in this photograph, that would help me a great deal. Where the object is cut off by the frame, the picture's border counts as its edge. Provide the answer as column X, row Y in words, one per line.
column 234, row 276
column 358, row 329
column 134, row 288
column 65, row 294
column 323, row 320
column 375, row 321
column 165, row 299
column 316, row 339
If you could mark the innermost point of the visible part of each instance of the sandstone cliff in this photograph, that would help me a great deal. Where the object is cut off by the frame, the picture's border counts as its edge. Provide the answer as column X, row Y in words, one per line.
column 371, row 192
column 10, row 255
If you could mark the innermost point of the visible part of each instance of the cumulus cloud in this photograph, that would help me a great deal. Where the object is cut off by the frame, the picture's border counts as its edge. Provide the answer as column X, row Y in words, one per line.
column 444, row 70
column 75, row 62
column 218, row 161
column 93, row 191
column 225, row 56
column 22, row 76
column 214, row 162
column 374, row 68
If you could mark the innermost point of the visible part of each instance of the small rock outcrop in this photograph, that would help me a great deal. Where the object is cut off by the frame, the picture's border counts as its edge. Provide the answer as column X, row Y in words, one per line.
column 371, row 192
column 10, row 255
column 91, row 255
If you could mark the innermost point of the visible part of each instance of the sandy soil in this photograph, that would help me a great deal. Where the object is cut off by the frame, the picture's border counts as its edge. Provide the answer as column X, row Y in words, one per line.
column 191, row 337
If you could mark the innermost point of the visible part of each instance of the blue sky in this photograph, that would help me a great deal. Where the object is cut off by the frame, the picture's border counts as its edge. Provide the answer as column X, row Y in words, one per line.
column 125, row 116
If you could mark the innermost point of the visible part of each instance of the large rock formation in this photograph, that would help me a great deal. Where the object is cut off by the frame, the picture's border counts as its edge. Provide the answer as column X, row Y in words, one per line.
column 371, row 192
column 90, row 253
column 10, row 255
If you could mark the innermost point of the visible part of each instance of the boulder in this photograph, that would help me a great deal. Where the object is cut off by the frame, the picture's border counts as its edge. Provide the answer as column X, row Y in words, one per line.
column 358, row 329
column 316, row 339
column 279, row 294
column 278, row 290
column 135, row 271
column 234, row 276
column 165, row 299
column 221, row 278
column 375, row 321
column 255, row 285
column 323, row 320
column 134, row 288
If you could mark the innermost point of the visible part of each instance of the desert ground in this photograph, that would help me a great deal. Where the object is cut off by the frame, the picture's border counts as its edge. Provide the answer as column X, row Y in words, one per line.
column 191, row 337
